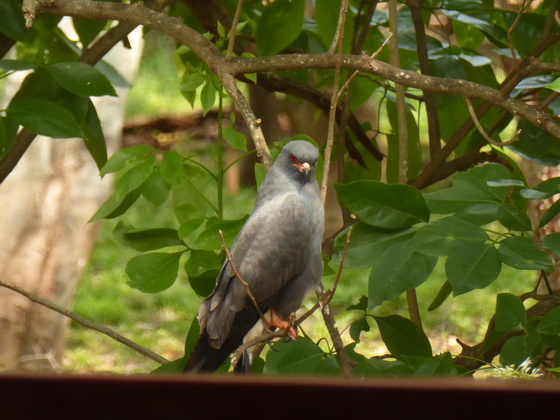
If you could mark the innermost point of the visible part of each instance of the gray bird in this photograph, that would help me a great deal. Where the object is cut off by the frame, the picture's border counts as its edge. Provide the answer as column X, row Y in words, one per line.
column 277, row 252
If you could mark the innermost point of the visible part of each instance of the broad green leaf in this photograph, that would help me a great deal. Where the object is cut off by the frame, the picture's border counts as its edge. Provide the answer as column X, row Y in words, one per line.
column 123, row 156
column 510, row 313
column 469, row 189
column 153, row 272
column 113, row 208
column 134, row 177
column 300, row 357
column 506, row 183
column 544, row 190
column 385, row 206
column 518, row 349
column 45, row 117
column 327, row 13
column 555, row 86
column 522, row 253
column 192, row 337
column 192, row 80
column 235, row 139
column 94, row 138
column 202, row 268
column 550, row 323
column 81, row 79
column 550, row 214
column 403, row 337
column 367, row 244
column 155, row 189
column 279, row 25
column 438, row 237
column 536, row 145
column 88, row 29
column 513, row 218
column 12, row 23
column 472, row 265
column 443, row 293
column 435, row 366
column 210, row 239
column 552, row 243
column 171, row 167
column 208, row 96
column 395, row 271
column 143, row 240
column 357, row 327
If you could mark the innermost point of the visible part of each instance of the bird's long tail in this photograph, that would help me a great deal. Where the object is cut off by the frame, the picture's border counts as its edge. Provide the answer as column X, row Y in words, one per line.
column 205, row 358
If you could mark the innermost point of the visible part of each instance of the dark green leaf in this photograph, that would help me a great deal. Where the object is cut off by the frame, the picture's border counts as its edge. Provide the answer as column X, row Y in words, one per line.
column 544, row 190
column 357, row 327
column 279, row 25
column 396, row 270
column 143, row 240
column 153, row 272
column 171, row 167
column 134, row 177
column 208, row 96
column 44, row 117
column 550, row 323
column 403, row 337
column 537, row 145
column 385, row 206
column 472, row 265
column 235, row 139
column 210, row 239
column 435, row 366
column 367, row 244
column 12, row 23
column 300, row 357
column 94, row 138
column 550, row 214
column 442, row 295
column 113, row 208
column 8, row 132
column 513, row 218
column 552, row 243
column 155, row 189
column 88, row 29
column 522, row 253
column 202, row 268
column 510, row 313
column 518, row 349
column 16, row 65
column 81, row 79
column 123, row 156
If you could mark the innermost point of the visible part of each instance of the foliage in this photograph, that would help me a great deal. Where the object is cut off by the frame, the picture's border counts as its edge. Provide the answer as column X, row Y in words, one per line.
column 474, row 223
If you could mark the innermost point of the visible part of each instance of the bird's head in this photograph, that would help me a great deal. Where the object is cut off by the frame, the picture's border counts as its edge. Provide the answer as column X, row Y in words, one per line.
column 301, row 155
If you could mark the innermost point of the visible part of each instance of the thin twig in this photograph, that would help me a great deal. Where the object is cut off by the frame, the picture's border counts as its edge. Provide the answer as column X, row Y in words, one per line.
column 87, row 323
column 512, row 28
column 243, row 282
column 340, row 267
column 484, row 134
column 233, row 29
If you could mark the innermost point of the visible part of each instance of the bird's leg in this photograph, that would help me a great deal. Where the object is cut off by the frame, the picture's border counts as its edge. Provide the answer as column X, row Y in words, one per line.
column 276, row 321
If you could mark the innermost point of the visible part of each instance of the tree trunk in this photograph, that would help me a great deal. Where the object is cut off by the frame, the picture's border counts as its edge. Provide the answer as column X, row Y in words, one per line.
column 46, row 239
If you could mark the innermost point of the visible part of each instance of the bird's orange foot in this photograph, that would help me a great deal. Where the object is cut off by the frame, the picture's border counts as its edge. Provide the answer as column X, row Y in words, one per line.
column 276, row 321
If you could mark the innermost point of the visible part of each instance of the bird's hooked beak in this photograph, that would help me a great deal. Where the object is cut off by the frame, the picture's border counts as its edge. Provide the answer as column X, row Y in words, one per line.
column 304, row 167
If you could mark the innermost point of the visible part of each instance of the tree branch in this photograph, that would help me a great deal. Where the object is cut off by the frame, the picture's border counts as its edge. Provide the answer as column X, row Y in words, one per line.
column 87, row 323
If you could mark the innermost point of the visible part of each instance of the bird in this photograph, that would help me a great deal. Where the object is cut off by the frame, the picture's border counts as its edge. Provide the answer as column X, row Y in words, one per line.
column 277, row 253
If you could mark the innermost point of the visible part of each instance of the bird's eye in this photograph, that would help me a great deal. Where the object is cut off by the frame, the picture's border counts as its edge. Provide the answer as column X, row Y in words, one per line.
column 293, row 158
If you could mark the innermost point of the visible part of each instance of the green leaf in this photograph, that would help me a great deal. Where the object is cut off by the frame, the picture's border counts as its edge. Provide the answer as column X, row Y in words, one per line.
column 544, row 190
column 210, row 239
column 81, row 79
column 134, row 177
column 470, row 188
column 385, row 206
column 155, row 189
column 235, row 139
column 514, row 218
column 472, row 265
column 94, row 138
column 552, row 243
column 208, row 96
column 300, row 357
column 522, row 253
column 403, row 337
column 357, row 327
column 550, row 214
column 113, row 208
column 438, row 237
column 550, row 323
column 202, row 268
column 88, row 29
column 536, row 145
column 123, row 156
column 327, row 13
column 555, row 86
column 279, row 25
column 8, row 132
column 435, row 366
column 441, row 296
column 396, row 270
column 171, row 167
column 16, row 65
column 510, row 313
column 367, row 244
column 153, row 272
column 141, row 239
column 45, row 118
column 518, row 349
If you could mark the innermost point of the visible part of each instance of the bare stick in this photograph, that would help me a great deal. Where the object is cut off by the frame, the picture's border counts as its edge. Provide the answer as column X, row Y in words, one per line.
column 233, row 29
column 484, row 134
column 243, row 282
column 87, row 323
column 340, row 267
